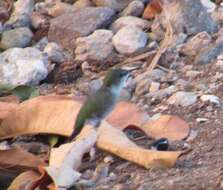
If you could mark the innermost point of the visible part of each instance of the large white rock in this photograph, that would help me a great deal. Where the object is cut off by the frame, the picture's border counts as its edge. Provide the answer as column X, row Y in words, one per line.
column 22, row 66
column 129, row 40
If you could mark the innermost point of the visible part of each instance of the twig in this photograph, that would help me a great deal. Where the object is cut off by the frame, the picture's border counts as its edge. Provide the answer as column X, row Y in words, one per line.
column 164, row 45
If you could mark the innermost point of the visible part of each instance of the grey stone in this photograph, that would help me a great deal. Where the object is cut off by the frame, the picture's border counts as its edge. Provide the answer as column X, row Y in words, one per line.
column 211, row 98
column 54, row 52
column 196, row 43
column 130, row 21
column 135, row 8
column 186, row 16
column 22, row 13
column 95, row 47
column 208, row 54
column 19, row 37
column 129, row 40
column 182, row 98
column 66, row 28
column 116, row 5
column 22, row 66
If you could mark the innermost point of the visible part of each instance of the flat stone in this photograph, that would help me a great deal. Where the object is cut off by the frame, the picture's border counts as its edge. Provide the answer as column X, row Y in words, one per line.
column 19, row 37
column 208, row 54
column 135, row 8
column 182, row 98
column 21, row 14
column 66, row 28
column 129, row 40
column 196, row 43
column 130, row 21
column 22, row 66
column 54, row 52
column 87, row 48
column 116, row 5
column 210, row 98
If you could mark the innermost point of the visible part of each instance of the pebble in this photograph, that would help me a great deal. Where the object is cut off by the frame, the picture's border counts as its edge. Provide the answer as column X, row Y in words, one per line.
column 211, row 98
column 19, row 37
column 183, row 98
column 129, row 40
column 54, row 52
column 135, row 8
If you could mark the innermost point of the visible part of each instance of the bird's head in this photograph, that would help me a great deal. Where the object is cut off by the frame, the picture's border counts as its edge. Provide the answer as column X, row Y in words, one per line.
column 116, row 78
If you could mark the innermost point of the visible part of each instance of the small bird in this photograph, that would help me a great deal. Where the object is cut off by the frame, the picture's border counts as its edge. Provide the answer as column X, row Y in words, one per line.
column 100, row 104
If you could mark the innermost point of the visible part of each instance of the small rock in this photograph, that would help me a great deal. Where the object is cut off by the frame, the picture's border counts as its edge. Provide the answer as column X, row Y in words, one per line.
column 154, row 86
column 162, row 93
column 210, row 6
column 4, row 14
column 193, row 134
column 192, row 74
column 108, row 159
column 54, row 52
column 79, row 4
column 183, row 98
column 201, row 120
column 217, row 15
column 116, row 5
column 19, row 37
column 210, row 98
column 156, row 74
column 87, row 48
column 59, row 8
column 130, row 21
column 38, row 20
column 66, row 28
column 41, row 44
column 22, row 13
column 219, row 64
column 22, row 66
column 208, row 54
column 129, row 40
column 135, row 8
column 195, row 44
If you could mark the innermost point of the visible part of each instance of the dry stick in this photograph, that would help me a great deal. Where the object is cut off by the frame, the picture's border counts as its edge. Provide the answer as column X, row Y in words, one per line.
column 163, row 47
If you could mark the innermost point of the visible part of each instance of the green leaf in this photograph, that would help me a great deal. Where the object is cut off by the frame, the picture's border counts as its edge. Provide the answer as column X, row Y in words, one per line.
column 25, row 92
column 53, row 140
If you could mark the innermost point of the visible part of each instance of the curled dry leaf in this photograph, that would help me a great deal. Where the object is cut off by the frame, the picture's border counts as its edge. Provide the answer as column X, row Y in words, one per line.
column 127, row 114
column 44, row 114
column 19, row 160
column 171, row 127
column 24, row 180
column 152, row 9
column 65, row 160
column 115, row 141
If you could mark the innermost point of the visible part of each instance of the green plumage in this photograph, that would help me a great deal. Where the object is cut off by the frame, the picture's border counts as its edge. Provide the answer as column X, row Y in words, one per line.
column 102, row 102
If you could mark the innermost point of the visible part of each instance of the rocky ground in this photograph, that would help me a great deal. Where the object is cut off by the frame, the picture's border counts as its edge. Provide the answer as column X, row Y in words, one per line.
column 65, row 47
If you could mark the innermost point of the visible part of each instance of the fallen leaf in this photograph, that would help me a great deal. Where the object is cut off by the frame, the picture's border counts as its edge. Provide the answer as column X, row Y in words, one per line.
column 115, row 141
column 170, row 127
column 43, row 114
column 127, row 114
column 18, row 160
column 6, row 108
column 24, row 180
column 10, row 99
column 153, row 8
column 66, row 159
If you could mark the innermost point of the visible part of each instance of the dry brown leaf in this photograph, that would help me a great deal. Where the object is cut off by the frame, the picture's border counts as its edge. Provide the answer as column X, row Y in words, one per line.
column 171, row 127
column 24, row 180
column 18, row 160
column 152, row 9
column 127, row 114
column 6, row 108
column 44, row 114
column 66, row 159
column 115, row 141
